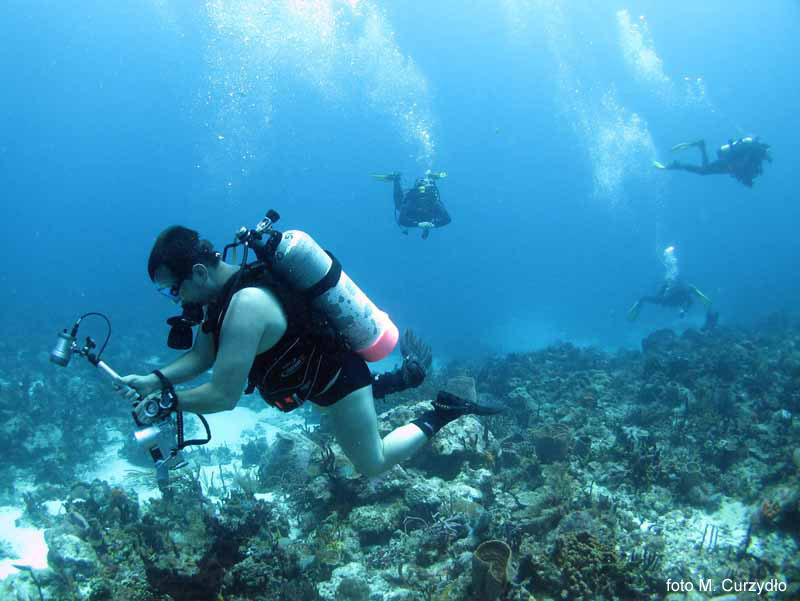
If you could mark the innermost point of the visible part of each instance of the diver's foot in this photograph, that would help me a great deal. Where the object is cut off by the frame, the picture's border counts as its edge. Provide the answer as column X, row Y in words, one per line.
column 417, row 359
column 409, row 375
column 670, row 165
column 449, row 407
column 454, row 406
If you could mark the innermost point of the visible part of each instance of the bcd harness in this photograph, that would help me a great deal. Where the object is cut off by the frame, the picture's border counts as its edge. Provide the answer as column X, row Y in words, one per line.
column 286, row 374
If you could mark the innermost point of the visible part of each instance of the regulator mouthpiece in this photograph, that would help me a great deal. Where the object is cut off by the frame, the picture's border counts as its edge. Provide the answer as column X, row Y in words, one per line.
column 180, row 333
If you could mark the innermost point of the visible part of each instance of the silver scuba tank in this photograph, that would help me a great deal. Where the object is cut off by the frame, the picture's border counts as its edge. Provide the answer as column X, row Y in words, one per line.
column 305, row 265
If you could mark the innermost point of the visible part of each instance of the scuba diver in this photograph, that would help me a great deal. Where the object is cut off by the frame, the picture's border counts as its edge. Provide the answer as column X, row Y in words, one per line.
column 741, row 159
column 421, row 205
column 262, row 329
column 675, row 292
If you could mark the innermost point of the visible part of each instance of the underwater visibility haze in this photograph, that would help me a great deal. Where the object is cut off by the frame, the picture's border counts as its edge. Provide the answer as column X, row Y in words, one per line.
column 624, row 421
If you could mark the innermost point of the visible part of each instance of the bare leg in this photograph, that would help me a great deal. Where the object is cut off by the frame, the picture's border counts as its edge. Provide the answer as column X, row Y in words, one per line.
column 355, row 425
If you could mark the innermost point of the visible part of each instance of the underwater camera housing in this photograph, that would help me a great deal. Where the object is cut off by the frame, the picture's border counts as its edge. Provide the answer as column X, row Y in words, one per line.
column 160, row 442
column 162, row 439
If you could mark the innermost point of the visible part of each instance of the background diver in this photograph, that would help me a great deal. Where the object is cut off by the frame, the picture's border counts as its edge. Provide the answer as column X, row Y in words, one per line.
column 742, row 159
column 675, row 292
column 421, row 205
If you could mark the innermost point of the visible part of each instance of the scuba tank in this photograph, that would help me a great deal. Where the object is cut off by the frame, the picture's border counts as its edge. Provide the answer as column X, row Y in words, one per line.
column 735, row 147
column 305, row 266
column 301, row 262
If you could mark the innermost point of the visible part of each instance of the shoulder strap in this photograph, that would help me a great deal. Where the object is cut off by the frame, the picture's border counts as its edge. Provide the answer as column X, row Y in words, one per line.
column 302, row 319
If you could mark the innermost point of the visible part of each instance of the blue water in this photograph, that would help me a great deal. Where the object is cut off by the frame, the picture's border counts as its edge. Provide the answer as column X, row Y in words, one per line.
column 122, row 118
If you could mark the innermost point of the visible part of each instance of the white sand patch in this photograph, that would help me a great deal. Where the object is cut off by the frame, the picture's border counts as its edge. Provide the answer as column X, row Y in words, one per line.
column 228, row 429
column 696, row 539
column 28, row 543
column 116, row 471
column 232, row 428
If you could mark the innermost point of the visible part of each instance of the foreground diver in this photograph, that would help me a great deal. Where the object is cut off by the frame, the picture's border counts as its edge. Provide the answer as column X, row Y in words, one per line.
column 251, row 334
column 675, row 292
column 741, row 159
column 421, row 205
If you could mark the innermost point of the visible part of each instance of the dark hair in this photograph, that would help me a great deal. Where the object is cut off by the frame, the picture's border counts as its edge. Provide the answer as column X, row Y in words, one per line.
column 178, row 248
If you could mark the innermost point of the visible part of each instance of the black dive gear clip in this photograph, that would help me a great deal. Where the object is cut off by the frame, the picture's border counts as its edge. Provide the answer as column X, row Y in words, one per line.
column 251, row 238
column 163, row 438
column 180, row 333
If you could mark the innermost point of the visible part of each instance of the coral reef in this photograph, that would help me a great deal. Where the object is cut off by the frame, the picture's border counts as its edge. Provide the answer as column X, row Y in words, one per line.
column 607, row 475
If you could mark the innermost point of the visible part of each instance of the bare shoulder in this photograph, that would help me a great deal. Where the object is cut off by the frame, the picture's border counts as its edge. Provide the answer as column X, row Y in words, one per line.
column 261, row 301
column 256, row 312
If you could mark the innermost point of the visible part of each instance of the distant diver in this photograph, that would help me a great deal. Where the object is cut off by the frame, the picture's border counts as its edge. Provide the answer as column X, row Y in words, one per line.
column 675, row 292
column 741, row 159
column 421, row 205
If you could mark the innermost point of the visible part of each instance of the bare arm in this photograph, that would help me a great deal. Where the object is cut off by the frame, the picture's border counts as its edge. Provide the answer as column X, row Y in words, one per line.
column 193, row 363
column 254, row 319
column 184, row 368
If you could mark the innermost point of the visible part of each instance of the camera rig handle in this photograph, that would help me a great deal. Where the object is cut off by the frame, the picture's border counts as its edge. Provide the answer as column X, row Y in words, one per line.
column 163, row 439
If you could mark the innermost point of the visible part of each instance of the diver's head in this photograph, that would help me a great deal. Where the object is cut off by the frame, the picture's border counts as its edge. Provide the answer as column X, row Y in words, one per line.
column 425, row 182
column 183, row 266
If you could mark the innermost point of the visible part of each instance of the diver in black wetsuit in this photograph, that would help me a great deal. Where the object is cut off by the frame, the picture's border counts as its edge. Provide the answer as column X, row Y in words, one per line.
column 421, row 205
column 675, row 292
column 741, row 159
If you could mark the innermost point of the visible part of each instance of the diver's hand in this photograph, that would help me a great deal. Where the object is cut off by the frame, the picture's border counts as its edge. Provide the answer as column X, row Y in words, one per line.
column 135, row 387
column 417, row 359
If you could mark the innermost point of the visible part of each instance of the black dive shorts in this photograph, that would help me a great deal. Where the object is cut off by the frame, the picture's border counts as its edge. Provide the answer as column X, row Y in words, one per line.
column 354, row 374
